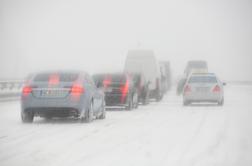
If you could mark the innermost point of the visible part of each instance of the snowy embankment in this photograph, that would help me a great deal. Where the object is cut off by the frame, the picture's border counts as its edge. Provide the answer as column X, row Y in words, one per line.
column 159, row 134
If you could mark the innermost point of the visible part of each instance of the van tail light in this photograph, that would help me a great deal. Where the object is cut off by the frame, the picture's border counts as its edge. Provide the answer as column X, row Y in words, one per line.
column 124, row 90
column 77, row 90
column 187, row 89
column 216, row 89
column 106, row 83
column 26, row 90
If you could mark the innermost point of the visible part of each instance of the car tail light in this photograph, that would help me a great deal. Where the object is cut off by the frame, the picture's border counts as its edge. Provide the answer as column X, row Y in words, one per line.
column 216, row 89
column 77, row 90
column 106, row 83
column 26, row 90
column 187, row 89
column 124, row 90
column 53, row 79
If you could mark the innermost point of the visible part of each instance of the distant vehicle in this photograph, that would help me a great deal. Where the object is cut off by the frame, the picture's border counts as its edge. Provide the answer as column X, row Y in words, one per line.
column 191, row 67
column 180, row 85
column 165, row 75
column 62, row 94
column 196, row 67
column 144, row 62
column 203, row 88
column 119, row 90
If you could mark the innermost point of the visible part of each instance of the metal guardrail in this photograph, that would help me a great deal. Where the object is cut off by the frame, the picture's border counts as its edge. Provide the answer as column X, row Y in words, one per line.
column 10, row 89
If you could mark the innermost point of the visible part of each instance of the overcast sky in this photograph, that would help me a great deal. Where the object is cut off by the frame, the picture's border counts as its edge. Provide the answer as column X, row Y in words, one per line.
column 95, row 35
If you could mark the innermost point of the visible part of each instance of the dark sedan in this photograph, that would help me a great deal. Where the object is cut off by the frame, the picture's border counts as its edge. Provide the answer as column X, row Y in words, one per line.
column 119, row 88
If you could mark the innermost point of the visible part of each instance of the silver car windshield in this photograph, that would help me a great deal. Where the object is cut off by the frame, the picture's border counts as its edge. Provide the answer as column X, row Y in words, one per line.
column 203, row 79
column 63, row 77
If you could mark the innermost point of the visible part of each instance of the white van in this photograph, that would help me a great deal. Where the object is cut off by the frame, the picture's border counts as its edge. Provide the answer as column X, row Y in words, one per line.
column 196, row 66
column 144, row 61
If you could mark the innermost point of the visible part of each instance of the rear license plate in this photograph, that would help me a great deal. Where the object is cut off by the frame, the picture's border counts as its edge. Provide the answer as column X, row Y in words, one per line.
column 51, row 93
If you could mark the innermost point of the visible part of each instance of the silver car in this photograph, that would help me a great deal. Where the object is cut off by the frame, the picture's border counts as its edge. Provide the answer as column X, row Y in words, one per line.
column 203, row 88
column 62, row 94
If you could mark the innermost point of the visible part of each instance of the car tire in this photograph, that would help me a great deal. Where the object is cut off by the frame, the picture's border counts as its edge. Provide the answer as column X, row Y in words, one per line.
column 137, row 104
column 146, row 98
column 27, row 117
column 129, row 106
column 103, row 110
column 89, row 115
column 158, row 96
column 221, row 103
column 136, row 101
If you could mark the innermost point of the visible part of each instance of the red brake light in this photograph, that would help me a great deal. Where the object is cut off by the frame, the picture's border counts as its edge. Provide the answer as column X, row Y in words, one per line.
column 124, row 90
column 53, row 79
column 187, row 89
column 216, row 89
column 77, row 90
column 26, row 90
column 106, row 82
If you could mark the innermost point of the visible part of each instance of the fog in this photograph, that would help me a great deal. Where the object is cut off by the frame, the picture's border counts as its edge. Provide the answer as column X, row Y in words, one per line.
column 96, row 35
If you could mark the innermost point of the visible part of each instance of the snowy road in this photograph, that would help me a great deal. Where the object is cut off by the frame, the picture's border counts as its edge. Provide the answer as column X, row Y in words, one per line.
column 159, row 134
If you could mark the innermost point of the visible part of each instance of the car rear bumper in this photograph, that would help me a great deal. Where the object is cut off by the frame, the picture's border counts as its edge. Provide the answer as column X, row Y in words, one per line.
column 54, row 107
column 115, row 100
column 206, row 97
column 54, row 111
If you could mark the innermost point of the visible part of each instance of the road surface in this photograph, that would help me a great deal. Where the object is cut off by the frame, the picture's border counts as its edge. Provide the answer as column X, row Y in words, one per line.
column 160, row 134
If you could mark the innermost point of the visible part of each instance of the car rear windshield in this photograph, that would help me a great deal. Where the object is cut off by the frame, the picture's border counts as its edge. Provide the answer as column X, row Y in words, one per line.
column 203, row 79
column 111, row 78
column 118, row 78
column 99, row 78
column 63, row 77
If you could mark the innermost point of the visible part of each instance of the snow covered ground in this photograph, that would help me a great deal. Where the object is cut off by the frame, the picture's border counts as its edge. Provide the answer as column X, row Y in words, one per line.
column 159, row 134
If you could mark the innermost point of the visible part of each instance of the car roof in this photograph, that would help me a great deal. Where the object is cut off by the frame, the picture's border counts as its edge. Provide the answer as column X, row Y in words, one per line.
column 104, row 74
column 59, row 72
column 203, row 74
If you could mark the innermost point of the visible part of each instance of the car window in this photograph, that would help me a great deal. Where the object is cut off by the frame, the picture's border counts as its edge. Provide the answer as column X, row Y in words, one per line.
column 118, row 78
column 90, row 80
column 202, row 79
column 63, row 77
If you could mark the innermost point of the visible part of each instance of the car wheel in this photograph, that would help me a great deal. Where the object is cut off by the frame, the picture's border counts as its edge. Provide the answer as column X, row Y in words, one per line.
column 103, row 112
column 88, row 114
column 130, row 104
column 27, row 117
column 221, row 103
column 135, row 100
column 136, row 106
column 158, row 96
column 146, row 98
